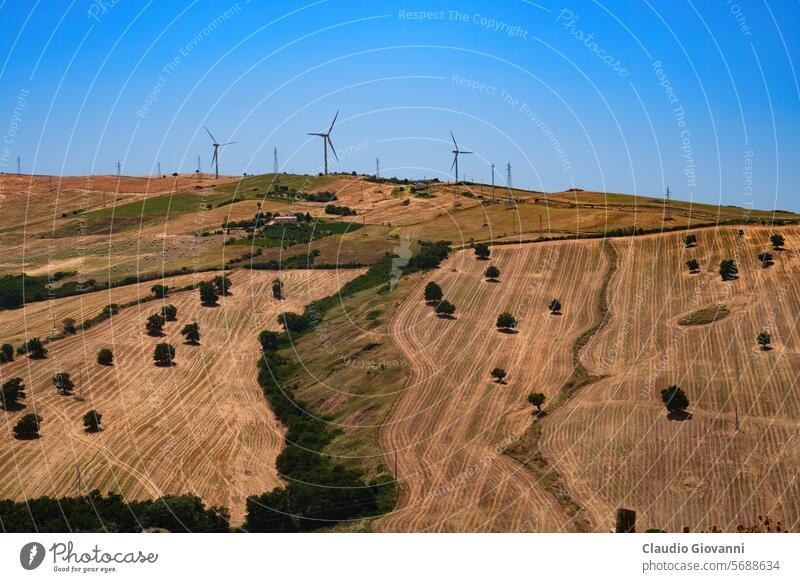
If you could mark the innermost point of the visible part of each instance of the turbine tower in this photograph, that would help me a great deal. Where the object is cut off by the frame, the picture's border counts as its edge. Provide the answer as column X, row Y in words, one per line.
column 275, row 161
column 215, row 157
column 326, row 141
column 493, row 198
column 456, row 153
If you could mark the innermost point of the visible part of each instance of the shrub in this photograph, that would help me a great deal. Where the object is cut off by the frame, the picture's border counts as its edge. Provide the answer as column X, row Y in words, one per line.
column 693, row 265
column 690, row 240
column 498, row 374
column 109, row 310
column 764, row 340
column 169, row 312
column 160, row 291
column 445, row 309
column 6, row 353
column 64, row 385
column 35, row 349
column 506, row 321
column 765, row 259
column 433, row 292
column 277, row 288
column 222, row 285
column 728, row 270
column 191, row 333
column 68, row 326
column 11, row 393
column 294, row 323
column 105, row 357
column 208, row 293
column 777, row 241
column 155, row 325
column 492, row 273
column 269, row 340
column 536, row 399
column 554, row 306
column 482, row 251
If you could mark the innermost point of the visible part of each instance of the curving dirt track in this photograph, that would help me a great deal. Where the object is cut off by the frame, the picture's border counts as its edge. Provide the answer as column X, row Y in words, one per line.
column 448, row 430
column 200, row 427
column 613, row 442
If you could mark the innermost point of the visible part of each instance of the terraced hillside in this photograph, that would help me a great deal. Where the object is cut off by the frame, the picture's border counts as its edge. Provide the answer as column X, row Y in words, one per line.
column 201, row 426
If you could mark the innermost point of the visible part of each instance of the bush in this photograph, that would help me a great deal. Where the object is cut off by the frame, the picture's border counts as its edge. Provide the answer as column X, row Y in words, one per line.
column 208, row 293
column 191, row 333
column 277, row 288
column 28, row 427
column 68, row 326
column 554, row 306
column 64, row 385
column 690, row 240
column 506, row 321
column 433, row 292
column 11, row 393
column 492, row 273
column 536, row 399
column 293, row 323
column 764, row 340
column 270, row 340
column 728, row 270
column 105, row 357
column 169, row 312
column 498, row 374
column 160, row 291
column 777, row 241
column 109, row 310
column 6, row 353
column 155, row 325
column 222, row 285
column 482, row 251
column 444, row 309
column 693, row 265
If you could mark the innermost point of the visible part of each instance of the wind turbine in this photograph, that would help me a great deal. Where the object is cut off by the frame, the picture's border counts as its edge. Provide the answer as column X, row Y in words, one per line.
column 326, row 141
column 215, row 157
column 456, row 152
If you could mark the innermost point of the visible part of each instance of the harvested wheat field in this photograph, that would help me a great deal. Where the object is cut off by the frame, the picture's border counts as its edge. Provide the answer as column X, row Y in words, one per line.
column 613, row 442
column 451, row 425
column 200, row 427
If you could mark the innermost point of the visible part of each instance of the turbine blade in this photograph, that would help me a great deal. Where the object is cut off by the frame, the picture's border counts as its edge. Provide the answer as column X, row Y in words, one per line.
column 454, row 139
column 453, row 165
column 334, row 121
column 228, row 143
column 464, row 152
column 330, row 143
column 209, row 133
column 214, row 157
column 319, row 134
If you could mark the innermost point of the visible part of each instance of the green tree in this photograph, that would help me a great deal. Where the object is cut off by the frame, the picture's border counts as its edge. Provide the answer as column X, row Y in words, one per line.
column 777, row 241
column 222, row 285
column 554, row 306
column 482, row 251
column 269, row 340
column 506, row 321
column 28, row 427
column 12, row 392
column 292, row 322
column 68, row 326
column 536, row 399
column 91, row 421
column 64, row 385
column 160, row 291
column 498, row 374
column 191, row 333
column 155, row 325
column 444, row 308
column 105, row 357
column 764, row 340
column 765, row 259
column 728, row 270
column 674, row 399
column 208, row 293
column 492, row 273
column 693, row 265
column 433, row 292
column 109, row 310
column 169, row 312
column 35, row 349
column 164, row 354
column 277, row 288
column 6, row 353
column 690, row 240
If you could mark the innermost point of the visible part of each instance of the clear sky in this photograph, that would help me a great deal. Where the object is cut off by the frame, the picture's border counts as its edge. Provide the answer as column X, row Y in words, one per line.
column 623, row 96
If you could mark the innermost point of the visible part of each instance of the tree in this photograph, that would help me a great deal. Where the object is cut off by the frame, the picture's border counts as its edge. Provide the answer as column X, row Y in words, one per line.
column 777, row 241
column 169, row 313
column 693, row 265
column 64, row 385
column 536, row 399
column 68, row 326
column 160, row 291
column 277, row 288
column 764, row 340
column 492, row 273
column 208, row 293
column 482, row 251
column 12, row 392
column 91, row 421
column 728, row 270
column 35, row 349
column 506, row 321
column 222, row 285
column 191, row 333
column 444, row 309
column 155, row 325
column 109, row 310
column 674, row 399
column 292, row 322
column 555, row 307
column 690, row 240
column 766, row 259
column 105, row 357
column 164, row 354
column 498, row 374
column 6, row 353
column 433, row 292
column 28, row 427
column 269, row 340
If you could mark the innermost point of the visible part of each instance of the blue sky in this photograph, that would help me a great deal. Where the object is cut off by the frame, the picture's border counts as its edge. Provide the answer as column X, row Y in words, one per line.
column 621, row 97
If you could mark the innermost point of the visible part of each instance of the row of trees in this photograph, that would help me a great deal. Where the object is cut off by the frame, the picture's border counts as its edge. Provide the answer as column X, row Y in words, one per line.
column 28, row 427
column 211, row 291
column 777, row 240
